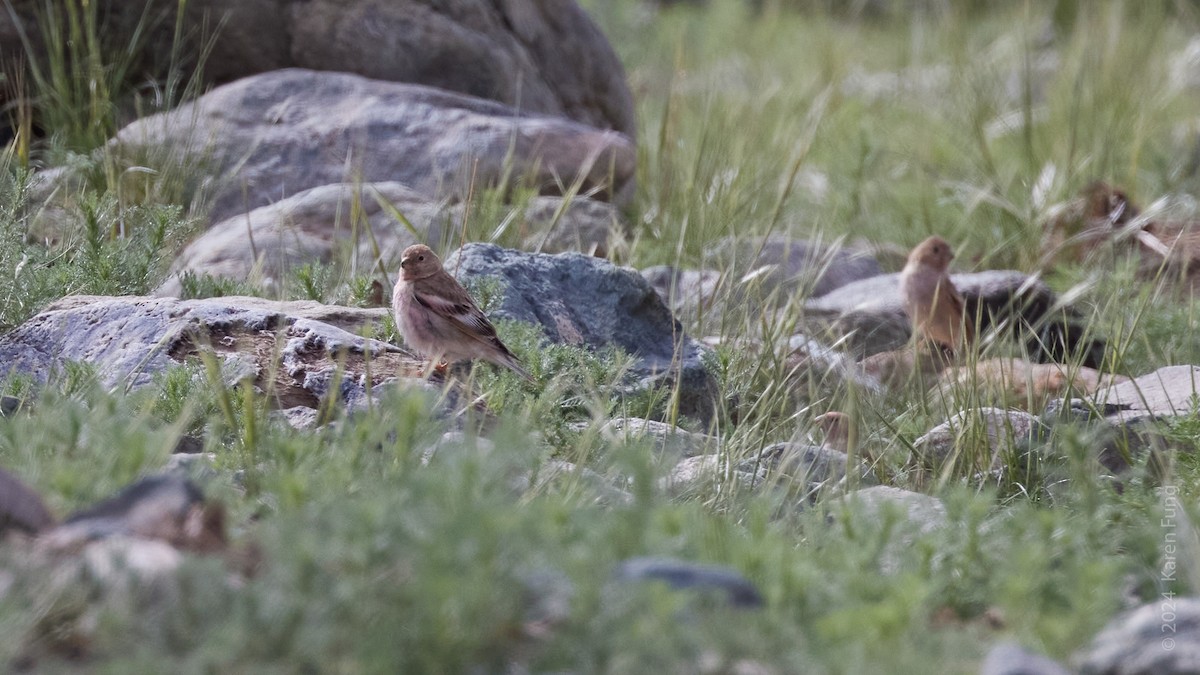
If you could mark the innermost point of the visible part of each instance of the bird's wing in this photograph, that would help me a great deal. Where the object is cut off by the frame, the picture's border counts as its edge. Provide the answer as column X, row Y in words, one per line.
column 450, row 301
column 956, row 300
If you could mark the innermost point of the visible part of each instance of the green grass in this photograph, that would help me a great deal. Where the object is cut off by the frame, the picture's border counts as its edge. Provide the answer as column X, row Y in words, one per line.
column 779, row 120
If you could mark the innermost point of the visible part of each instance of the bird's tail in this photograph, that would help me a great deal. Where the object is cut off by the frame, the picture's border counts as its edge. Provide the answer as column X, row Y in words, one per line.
column 514, row 365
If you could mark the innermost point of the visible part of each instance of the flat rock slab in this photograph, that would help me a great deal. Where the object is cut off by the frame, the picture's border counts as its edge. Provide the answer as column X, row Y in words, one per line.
column 585, row 301
column 317, row 225
column 1166, row 392
column 291, row 350
column 273, row 135
column 869, row 315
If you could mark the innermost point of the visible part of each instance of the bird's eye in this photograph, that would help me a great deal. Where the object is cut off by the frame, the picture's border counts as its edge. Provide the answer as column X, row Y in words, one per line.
column 420, row 257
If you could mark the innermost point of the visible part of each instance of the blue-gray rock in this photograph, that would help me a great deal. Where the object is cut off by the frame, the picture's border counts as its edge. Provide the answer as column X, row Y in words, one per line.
column 1159, row 638
column 869, row 314
column 1008, row 658
column 276, row 134
column 685, row 575
column 585, row 301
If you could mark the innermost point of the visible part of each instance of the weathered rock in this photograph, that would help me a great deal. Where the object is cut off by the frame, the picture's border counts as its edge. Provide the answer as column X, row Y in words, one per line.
column 556, row 472
column 1008, row 658
column 666, row 439
column 166, row 508
column 1003, row 432
column 315, row 226
column 1160, row 638
column 547, row 57
column 1123, row 416
column 790, row 266
column 813, row 467
column 805, row 361
column 113, row 560
column 1020, row 384
column 923, row 512
column 21, row 509
column 274, row 135
column 556, row 225
column 689, row 293
column 1167, row 392
column 292, row 350
column 189, row 465
column 692, row 474
column 870, row 317
column 906, row 515
column 310, row 227
column 757, row 274
column 796, row 470
column 736, row 590
column 9, row 405
column 456, row 440
column 582, row 300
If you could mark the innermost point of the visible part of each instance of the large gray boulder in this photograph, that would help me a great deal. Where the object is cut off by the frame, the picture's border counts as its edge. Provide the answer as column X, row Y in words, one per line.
column 270, row 136
column 1159, row 638
column 582, row 300
column 292, row 350
column 543, row 56
column 357, row 224
column 869, row 314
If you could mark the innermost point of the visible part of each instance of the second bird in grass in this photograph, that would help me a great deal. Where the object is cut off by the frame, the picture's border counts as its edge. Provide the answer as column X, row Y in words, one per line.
column 933, row 304
column 437, row 317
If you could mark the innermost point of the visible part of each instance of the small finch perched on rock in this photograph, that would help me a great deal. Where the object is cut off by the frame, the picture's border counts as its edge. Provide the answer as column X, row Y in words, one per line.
column 437, row 317
column 932, row 302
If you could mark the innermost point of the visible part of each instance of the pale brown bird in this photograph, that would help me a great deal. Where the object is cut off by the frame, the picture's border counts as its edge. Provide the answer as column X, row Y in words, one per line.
column 932, row 302
column 437, row 317
column 836, row 426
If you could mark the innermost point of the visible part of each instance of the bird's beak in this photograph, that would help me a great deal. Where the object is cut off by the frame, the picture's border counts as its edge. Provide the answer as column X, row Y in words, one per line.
column 404, row 262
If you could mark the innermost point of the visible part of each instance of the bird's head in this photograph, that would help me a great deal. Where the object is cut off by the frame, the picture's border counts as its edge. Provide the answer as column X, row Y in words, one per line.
column 836, row 426
column 419, row 261
column 933, row 252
